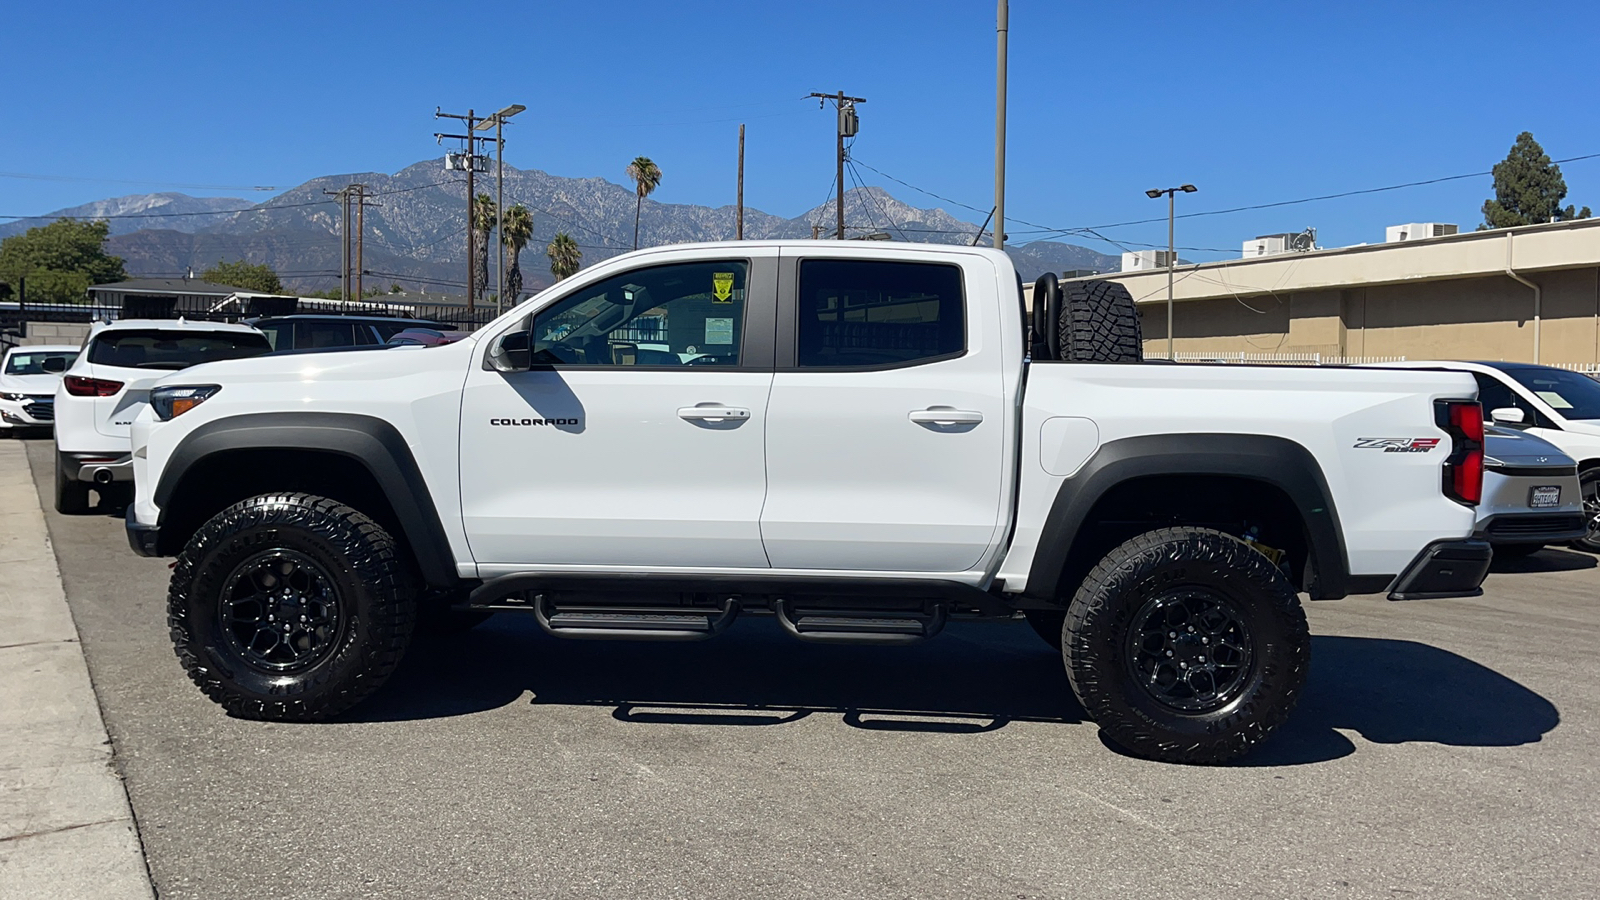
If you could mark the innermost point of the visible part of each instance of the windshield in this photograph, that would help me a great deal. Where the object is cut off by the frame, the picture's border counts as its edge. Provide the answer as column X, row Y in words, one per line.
column 173, row 349
column 1573, row 395
column 33, row 363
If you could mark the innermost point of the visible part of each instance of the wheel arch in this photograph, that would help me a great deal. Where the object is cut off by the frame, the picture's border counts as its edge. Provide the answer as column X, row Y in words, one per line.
column 358, row 460
column 1274, row 471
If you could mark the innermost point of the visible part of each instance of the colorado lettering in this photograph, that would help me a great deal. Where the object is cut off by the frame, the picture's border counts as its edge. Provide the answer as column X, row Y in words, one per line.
column 533, row 421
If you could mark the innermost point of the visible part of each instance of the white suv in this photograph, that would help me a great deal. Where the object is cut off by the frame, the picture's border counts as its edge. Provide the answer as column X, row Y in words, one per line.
column 109, row 383
column 28, row 380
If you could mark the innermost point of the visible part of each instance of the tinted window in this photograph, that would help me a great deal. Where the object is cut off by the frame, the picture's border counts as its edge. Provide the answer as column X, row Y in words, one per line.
column 865, row 313
column 688, row 314
column 311, row 335
column 1573, row 395
column 20, row 363
column 279, row 335
column 164, row 349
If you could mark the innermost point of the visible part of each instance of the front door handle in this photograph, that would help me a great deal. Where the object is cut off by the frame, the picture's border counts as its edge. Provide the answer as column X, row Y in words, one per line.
column 713, row 413
column 944, row 415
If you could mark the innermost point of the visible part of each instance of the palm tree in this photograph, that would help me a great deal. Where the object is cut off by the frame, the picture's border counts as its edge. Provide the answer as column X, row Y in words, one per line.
column 565, row 257
column 646, row 177
column 516, row 229
column 484, row 216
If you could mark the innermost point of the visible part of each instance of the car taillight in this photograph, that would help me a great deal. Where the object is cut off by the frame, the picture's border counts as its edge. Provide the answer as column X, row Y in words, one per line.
column 79, row 386
column 1463, row 470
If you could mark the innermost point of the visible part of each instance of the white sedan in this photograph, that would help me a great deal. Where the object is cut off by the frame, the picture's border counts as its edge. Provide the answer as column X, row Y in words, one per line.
column 28, row 380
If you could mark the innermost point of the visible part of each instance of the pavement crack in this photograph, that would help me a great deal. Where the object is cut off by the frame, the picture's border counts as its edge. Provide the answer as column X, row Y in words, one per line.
column 71, row 640
column 33, row 834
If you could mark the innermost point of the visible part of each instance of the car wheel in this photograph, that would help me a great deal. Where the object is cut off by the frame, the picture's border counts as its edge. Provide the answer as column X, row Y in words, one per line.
column 1187, row 645
column 72, row 495
column 1047, row 623
column 1589, row 483
column 290, row 607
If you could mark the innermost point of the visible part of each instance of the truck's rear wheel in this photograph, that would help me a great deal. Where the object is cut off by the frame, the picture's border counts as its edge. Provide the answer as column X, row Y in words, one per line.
column 72, row 495
column 290, row 607
column 1187, row 645
column 1099, row 323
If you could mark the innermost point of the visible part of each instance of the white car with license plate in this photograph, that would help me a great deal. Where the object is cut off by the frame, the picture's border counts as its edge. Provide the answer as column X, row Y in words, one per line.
column 28, row 380
column 107, row 385
column 1531, row 496
column 1557, row 405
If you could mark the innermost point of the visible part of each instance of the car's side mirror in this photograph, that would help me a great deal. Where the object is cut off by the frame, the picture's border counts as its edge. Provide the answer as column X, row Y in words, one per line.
column 1508, row 415
column 511, row 352
column 55, row 365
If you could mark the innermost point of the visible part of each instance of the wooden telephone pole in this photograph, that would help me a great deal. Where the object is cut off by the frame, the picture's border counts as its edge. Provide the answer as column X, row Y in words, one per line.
column 472, row 119
column 848, row 125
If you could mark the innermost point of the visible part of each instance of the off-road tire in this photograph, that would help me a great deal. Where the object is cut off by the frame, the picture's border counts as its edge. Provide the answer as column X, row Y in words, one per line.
column 376, row 603
column 1047, row 623
column 1099, row 323
column 72, row 495
column 1145, row 573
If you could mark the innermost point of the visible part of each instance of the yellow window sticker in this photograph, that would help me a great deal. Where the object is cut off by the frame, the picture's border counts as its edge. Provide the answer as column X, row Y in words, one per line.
column 721, row 287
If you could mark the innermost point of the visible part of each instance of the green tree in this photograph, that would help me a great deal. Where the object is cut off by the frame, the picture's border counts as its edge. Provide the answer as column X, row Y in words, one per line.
column 244, row 276
column 516, row 229
column 1528, row 189
column 484, row 218
column 646, row 177
column 60, row 260
column 565, row 257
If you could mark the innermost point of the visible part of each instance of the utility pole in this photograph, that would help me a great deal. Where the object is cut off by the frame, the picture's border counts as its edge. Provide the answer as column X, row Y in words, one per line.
column 472, row 120
column 1001, row 26
column 848, row 126
column 344, row 239
column 498, row 120
column 738, row 227
column 361, row 232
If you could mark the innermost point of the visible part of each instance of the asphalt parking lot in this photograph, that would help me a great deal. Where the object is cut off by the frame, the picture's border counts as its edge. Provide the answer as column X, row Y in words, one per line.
column 1443, row 748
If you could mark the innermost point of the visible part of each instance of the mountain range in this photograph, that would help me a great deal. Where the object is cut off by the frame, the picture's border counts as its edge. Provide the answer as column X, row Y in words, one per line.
column 415, row 227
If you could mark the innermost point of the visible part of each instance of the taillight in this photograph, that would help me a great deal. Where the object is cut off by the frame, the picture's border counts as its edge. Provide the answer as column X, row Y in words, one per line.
column 79, row 386
column 1463, row 470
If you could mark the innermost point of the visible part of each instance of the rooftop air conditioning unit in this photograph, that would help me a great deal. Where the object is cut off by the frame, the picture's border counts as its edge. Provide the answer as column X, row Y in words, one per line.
column 1144, row 260
column 1417, row 231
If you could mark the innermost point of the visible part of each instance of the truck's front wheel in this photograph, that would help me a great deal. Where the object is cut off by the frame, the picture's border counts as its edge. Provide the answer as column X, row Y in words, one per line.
column 1187, row 645
column 290, row 607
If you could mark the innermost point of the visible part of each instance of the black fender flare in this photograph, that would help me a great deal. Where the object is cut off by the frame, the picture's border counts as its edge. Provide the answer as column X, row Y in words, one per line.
column 372, row 442
column 1276, row 461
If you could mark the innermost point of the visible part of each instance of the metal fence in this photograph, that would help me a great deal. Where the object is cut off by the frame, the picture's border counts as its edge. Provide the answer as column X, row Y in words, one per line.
column 14, row 314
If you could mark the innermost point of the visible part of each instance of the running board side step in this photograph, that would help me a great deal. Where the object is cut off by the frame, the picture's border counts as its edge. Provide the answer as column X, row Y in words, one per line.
column 859, row 626
column 599, row 623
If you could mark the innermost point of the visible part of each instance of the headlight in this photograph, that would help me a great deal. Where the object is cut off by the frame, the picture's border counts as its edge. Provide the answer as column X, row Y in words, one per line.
column 15, row 397
column 171, row 402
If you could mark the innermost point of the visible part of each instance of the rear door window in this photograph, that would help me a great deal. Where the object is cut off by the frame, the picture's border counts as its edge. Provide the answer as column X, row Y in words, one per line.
column 870, row 313
column 172, row 349
column 311, row 335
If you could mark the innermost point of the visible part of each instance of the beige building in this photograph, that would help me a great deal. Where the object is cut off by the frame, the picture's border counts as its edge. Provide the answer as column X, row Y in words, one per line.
column 1528, row 294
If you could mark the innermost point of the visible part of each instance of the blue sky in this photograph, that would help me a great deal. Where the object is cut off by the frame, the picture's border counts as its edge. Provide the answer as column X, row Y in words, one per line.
column 1252, row 102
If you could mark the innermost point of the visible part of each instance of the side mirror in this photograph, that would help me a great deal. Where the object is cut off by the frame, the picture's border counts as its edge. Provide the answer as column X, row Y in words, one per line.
column 510, row 352
column 1508, row 415
column 55, row 365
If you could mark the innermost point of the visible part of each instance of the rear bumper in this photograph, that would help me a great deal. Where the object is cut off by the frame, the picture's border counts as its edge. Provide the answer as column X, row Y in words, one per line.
column 1445, row 569
column 1533, row 528
column 98, row 468
column 143, row 539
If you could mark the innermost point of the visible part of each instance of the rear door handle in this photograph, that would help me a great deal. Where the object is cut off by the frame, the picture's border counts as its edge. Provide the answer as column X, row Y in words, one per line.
column 944, row 415
column 713, row 413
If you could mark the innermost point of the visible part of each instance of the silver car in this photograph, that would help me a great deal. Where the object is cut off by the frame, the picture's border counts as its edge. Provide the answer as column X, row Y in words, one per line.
column 1531, row 495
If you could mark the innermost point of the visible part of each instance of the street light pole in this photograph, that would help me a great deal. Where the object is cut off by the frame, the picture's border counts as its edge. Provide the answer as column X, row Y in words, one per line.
column 1172, row 250
column 1002, row 26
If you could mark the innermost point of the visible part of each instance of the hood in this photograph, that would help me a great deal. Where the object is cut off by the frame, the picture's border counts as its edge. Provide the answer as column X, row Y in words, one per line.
column 1510, row 447
column 1582, row 426
column 29, row 384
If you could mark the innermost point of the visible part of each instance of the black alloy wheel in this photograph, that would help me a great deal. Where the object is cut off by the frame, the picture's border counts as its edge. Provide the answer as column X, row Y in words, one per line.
column 1589, row 483
column 1189, row 649
column 280, row 611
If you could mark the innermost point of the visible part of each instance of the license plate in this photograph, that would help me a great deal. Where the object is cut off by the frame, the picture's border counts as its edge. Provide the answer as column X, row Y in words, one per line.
column 1545, row 496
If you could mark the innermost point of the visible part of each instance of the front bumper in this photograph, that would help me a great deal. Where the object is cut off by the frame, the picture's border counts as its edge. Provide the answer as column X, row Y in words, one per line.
column 1445, row 569
column 37, row 412
column 143, row 539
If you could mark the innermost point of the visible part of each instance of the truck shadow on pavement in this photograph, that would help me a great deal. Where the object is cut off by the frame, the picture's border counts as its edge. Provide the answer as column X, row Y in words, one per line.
column 1550, row 559
column 976, row 678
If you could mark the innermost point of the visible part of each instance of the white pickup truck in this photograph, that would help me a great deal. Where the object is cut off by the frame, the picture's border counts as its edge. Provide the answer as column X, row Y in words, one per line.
column 863, row 441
